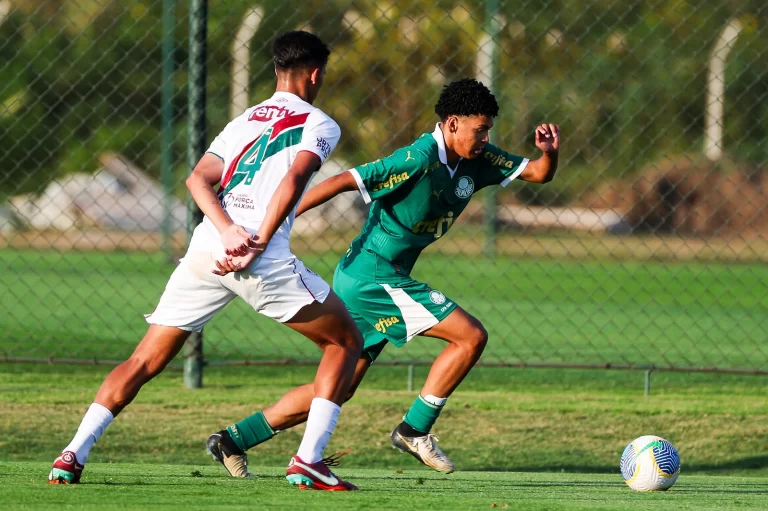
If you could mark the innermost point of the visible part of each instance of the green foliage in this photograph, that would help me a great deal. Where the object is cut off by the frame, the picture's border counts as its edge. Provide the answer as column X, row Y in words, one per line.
column 86, row 81
column 626, row 80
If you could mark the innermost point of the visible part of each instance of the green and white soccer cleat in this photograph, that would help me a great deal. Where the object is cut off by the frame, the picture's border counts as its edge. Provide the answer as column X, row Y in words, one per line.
column 224, row 450
column 425, row 449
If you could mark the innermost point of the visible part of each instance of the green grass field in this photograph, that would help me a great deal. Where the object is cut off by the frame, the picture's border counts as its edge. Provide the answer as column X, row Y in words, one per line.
column 90, row 305
column 184, row 487
column 522, row 439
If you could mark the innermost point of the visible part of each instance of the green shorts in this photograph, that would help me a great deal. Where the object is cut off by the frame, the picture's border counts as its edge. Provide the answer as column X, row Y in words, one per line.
column 393, row 312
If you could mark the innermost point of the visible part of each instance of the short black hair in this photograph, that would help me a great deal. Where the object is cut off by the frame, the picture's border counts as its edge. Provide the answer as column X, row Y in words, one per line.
column 466, row 97
column 299, row 49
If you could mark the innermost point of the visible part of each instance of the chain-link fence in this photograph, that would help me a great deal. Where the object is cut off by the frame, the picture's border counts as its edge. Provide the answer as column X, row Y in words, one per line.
column 648, row 249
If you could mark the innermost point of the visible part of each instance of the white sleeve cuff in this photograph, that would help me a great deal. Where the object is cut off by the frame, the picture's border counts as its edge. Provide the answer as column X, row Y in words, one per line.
column 314, row 151
column 516, row 173
column 361, row 185
column 218, row 146
column 215, row 154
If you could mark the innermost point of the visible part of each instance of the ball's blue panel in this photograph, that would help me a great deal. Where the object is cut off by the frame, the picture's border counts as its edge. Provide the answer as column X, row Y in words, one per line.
column 666, row 457
column 627, row 464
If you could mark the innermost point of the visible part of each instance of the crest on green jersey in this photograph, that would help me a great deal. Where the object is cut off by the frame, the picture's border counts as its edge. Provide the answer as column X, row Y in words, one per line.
column 436, row 297
column 465, row 187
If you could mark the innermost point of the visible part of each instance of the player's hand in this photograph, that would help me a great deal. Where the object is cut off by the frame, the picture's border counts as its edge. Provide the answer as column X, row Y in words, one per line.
column 548, row 137
column 232, row 264
column 236, row 240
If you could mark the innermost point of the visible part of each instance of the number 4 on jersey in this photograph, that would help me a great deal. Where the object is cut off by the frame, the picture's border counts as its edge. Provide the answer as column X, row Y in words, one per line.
column 250, row 162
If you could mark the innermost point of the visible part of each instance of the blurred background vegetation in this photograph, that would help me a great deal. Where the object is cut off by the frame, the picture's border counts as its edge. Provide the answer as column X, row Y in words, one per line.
column 625, row 79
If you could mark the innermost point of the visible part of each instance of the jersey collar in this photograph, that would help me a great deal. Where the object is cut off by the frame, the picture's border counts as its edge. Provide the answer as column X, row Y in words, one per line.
column 440, row 140
column 287, row 95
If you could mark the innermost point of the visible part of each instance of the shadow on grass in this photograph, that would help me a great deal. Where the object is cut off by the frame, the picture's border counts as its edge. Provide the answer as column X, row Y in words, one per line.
column 750, row 463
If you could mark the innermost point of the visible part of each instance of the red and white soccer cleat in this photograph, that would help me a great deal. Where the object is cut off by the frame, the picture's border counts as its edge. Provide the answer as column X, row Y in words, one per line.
column 66, row 469
column 317, row 476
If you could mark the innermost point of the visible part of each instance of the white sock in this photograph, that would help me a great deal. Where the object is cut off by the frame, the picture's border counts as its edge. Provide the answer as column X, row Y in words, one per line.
column 321, row 422
column 96, row 420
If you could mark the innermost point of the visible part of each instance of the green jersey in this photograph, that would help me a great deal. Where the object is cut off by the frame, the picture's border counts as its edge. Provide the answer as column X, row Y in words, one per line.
column 416, row 199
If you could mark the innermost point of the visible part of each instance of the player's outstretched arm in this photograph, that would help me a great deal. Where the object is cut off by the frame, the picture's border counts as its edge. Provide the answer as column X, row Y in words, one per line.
column 327, row 190
column 207, row 174
column 543, row 170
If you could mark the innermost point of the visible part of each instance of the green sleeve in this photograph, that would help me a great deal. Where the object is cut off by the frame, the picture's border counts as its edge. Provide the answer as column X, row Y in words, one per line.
column 384, row 176
column 500, row 167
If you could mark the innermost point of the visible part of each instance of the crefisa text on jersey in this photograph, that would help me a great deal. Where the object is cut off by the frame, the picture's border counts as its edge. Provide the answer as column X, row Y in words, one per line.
column 499, row 160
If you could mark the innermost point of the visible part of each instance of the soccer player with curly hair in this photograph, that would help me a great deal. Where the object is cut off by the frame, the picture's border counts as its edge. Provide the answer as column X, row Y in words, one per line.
column 417, row 193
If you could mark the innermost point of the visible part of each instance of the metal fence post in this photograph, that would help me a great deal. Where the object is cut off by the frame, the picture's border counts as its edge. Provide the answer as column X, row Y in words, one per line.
column 647, row 383
column 651, row 178
column 713, row 135
column 196, row 137
column 166, row 139
column 241, row 55
column 488, row 57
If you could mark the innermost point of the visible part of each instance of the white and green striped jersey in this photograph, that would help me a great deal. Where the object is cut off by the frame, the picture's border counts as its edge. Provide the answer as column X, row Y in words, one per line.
column 258, row 148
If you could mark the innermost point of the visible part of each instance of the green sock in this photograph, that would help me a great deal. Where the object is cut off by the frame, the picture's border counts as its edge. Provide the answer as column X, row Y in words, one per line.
column 422, row 414
column 251, row 431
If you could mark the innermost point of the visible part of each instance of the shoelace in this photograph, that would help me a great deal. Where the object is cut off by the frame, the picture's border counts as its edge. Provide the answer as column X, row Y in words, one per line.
column 333, row 459
column 431, row 441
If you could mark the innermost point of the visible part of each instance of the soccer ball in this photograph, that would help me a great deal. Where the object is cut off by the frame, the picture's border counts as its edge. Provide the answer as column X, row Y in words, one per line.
column 650, row 463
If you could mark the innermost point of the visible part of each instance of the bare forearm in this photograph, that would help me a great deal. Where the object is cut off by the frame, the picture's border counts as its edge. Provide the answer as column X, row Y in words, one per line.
column 543, row 169
column 326, row 190
column 206, row 199
column 285, row 199
column 548, row 141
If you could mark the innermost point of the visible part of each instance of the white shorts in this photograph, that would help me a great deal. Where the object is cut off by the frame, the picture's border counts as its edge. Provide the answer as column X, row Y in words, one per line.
column 276, row 288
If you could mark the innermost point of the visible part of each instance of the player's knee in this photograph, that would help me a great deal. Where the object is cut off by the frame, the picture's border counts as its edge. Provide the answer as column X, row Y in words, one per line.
column 477, row 338
column 349, row 340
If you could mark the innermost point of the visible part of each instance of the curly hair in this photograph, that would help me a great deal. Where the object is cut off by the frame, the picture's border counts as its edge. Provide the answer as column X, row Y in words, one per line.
column 466, row 97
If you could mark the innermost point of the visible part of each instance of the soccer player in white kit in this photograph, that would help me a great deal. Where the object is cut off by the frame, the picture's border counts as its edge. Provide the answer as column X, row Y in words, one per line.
column 262, row 162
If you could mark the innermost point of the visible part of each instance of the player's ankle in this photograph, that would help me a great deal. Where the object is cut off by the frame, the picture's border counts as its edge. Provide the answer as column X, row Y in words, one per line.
column 406, row 429
column 228, row 445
